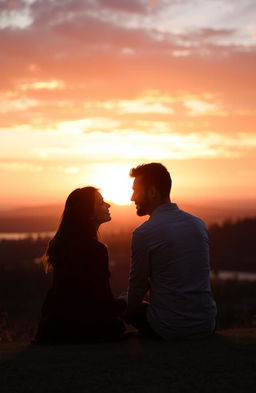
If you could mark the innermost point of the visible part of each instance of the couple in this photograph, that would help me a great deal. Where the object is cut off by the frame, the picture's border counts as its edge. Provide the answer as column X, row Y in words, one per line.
column 169, row 259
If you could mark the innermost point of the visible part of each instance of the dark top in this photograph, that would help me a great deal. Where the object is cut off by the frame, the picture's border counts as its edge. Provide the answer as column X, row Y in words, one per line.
column 80, row 303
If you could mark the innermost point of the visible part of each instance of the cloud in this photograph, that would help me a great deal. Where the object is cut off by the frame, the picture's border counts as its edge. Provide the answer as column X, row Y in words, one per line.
column 17, row 167
column 41, row 85
column 87, row 125
column 131, row 6
column 142, row 107
column 197, row 107
column 74, row 63
column 155, row 104
column 95, row 56
column 15, row 14
column 71, row 144
column 20, row 104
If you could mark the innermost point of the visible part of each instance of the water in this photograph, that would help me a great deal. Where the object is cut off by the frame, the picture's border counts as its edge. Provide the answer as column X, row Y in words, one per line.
column 25, row 235
column 234, row 275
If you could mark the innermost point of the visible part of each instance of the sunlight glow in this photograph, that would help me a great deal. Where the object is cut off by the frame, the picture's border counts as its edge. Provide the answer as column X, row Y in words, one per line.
column 113, row 181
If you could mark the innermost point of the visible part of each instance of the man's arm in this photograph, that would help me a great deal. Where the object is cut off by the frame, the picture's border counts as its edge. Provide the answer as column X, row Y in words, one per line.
column 139, row 272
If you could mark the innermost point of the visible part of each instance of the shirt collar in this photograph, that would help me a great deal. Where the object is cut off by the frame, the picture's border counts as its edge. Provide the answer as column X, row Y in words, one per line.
column 164, row 208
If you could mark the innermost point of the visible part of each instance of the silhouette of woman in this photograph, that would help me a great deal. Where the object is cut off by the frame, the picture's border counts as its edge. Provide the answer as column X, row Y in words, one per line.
column 80, row 306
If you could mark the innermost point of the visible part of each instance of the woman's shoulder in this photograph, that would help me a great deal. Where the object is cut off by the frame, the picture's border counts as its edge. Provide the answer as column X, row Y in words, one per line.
column 97, row 253
column 101, row 247
column 83, row 253
column 95, row 246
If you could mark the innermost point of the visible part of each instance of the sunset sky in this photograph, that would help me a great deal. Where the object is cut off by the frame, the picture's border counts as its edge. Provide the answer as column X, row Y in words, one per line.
column 91, row 88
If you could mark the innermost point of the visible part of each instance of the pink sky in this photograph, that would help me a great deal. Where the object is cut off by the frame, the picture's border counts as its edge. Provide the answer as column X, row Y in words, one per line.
column 90, row 88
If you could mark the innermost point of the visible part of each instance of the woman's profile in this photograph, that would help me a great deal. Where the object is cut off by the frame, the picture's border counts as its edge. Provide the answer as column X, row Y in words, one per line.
column 80, row 305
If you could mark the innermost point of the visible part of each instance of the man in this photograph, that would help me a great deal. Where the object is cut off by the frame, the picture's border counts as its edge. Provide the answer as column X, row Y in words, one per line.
column 170, row 259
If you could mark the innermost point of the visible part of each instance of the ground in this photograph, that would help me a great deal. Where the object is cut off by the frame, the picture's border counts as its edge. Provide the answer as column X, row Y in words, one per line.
column 224, row 363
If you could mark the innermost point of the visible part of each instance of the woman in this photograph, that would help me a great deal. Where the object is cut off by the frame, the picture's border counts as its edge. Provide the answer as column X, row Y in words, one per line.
column 80, row 305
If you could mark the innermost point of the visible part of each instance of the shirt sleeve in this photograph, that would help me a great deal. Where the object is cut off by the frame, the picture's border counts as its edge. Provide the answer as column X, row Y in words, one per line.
column 139, row 271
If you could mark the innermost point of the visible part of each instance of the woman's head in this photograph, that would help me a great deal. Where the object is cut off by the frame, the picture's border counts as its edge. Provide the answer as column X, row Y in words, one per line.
column 84, row 211
column 101, row 210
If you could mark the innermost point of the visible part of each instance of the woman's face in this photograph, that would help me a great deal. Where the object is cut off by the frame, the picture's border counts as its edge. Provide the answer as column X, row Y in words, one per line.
column 101, row 210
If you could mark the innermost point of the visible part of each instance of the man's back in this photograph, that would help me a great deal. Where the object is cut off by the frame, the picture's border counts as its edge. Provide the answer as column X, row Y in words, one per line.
column 172, row 249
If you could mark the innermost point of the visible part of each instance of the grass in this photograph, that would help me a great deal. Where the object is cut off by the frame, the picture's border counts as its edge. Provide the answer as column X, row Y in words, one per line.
column 224, row 363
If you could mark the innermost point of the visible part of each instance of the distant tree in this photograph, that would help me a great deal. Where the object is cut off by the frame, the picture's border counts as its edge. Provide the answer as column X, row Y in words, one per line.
column 232, row 245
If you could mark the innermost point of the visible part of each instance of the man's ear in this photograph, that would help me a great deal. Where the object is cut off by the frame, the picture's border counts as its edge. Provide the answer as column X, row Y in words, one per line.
column 153, row 193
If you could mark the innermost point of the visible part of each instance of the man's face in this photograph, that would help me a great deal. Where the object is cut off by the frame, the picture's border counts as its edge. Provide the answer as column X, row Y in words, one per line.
column 140, row 197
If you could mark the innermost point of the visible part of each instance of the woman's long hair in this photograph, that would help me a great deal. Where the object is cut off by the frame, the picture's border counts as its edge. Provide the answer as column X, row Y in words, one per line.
column 76, row 227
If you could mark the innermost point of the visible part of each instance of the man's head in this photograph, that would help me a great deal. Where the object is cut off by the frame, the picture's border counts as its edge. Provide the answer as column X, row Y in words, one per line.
column 151, row 187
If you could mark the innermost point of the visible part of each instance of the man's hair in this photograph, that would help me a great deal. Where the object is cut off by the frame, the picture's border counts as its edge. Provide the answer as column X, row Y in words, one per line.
column 154, row 174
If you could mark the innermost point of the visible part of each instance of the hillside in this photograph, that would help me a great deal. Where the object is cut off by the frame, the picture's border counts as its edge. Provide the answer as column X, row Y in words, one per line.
column 223, row 363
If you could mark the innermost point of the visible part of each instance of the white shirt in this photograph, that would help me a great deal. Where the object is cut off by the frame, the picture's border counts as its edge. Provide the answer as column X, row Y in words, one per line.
column 170, row 258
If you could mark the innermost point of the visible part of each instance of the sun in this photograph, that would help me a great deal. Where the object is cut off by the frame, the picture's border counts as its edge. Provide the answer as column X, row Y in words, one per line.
column 113, row 182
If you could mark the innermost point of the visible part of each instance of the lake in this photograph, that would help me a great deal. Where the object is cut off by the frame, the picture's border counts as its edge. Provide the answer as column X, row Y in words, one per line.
column 25, row 235
column 234, row 275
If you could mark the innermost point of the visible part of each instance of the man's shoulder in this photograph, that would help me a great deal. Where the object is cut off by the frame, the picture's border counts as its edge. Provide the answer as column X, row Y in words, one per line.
column 192, row 223
column 192, row 218
column 175, row 218
column 142, row 229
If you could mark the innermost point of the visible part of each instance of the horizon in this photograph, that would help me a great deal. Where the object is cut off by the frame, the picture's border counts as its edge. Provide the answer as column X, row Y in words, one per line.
column 42, row 219
column 220, row 203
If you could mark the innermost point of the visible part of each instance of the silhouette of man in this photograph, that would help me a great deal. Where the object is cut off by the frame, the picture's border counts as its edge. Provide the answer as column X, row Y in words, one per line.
column 170, row 259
